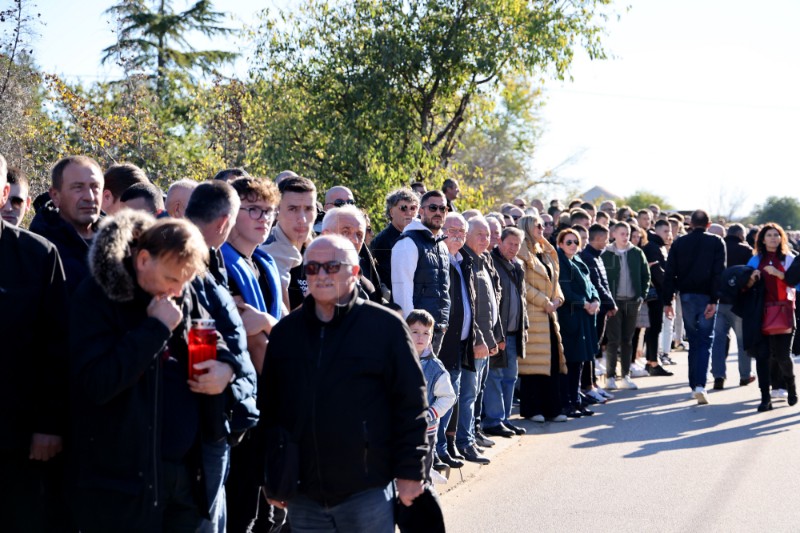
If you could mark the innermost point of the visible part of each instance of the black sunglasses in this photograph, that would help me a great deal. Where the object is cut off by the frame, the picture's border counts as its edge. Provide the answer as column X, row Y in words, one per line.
column 433, row 208
column 331, row 267
column 405, row 208
column 340, row 202
column 570, row 242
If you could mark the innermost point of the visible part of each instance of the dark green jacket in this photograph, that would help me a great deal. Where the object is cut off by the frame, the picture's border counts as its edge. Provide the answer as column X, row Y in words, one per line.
column 637, row 264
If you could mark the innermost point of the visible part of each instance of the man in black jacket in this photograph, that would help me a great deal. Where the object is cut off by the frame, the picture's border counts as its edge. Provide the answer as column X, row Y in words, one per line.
column 656, row 253
column 694, row 265
column 340, row 376
column 139, row 413
column 69, row 219
column 402, row 206
column 738, row 253
column 32, row 333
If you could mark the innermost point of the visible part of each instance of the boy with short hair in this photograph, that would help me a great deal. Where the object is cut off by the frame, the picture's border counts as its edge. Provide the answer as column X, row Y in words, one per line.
column 441, row 395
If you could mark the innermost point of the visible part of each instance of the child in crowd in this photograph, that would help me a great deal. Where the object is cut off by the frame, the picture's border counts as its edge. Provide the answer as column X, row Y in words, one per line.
column 441, row 395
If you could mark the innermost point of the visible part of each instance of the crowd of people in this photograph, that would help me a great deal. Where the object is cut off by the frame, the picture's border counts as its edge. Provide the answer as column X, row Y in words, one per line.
column 353, row 368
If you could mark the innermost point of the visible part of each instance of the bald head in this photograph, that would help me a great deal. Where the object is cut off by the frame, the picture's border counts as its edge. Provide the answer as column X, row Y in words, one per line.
column 478, row 235
column 717, row 229
column 178, row 197
column 338, row 196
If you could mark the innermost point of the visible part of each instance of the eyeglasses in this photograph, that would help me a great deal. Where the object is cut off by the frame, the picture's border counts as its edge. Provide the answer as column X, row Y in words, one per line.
column 340, row 202
column 405, row 208
column 256, row 213
column 433, row 208
column 331, row 267
column 570, row 242
column 548, row 223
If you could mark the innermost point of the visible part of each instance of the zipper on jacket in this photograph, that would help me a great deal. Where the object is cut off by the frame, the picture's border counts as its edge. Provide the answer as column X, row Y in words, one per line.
column 155, row 437
column 314, row 412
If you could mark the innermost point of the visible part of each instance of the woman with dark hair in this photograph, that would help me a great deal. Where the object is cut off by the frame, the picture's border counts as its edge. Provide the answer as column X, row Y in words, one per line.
column 576, row 317
column 771, row 258
column 540, row 370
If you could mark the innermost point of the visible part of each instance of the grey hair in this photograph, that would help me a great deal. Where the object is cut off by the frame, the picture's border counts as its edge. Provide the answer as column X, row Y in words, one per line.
column 332, row 216
column 403, row 194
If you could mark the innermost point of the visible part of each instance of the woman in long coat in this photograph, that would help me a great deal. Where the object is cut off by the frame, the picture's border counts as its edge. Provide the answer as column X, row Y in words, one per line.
column 544, row 361
column 576, row 317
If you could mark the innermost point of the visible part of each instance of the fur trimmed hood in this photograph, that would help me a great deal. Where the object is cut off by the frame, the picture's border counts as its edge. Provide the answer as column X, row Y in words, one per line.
column 111, row 246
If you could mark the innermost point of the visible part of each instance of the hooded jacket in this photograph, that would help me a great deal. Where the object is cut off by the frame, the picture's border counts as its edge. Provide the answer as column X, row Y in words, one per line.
column 637, row 267
column 120, row 363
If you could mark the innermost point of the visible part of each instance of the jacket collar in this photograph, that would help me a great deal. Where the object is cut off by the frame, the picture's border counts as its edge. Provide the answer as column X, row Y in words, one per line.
column 339, row 312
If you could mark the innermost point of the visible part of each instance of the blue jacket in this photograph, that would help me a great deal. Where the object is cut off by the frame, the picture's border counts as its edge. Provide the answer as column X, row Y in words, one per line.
column 241, row 274
column 578, row 332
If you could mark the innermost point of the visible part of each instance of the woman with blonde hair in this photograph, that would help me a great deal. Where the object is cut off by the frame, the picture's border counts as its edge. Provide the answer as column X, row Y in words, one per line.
column 539, row 371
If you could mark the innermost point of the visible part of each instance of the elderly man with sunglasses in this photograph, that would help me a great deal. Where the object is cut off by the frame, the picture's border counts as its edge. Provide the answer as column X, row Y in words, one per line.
column 402, row 206
column 421, row 266
column 341, row 377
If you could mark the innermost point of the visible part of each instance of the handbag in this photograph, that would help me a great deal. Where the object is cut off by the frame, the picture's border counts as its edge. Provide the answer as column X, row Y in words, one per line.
column 778, row 318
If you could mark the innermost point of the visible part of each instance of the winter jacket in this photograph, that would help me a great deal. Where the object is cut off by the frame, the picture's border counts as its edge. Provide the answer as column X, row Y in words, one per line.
column 510, row 275
column 449, row 353
column 655, row 251
column 352, row 393
column 72, row 248
column 488, row 327
column 578, row 331
column 694, row 265
column 381, row 247
column 598, row 277
column 637, row 266
column 539, row 289
column 738, row 252
column 120, row 361
column 33, row 328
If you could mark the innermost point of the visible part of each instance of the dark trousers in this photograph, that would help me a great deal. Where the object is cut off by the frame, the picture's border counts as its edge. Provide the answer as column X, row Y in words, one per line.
column 774, row 352
column 588, row 376
column 572, row 398
column 24, row 505
column 655, row 312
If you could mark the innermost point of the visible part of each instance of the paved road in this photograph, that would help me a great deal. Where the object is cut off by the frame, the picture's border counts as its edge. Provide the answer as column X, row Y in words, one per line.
column 650, row 460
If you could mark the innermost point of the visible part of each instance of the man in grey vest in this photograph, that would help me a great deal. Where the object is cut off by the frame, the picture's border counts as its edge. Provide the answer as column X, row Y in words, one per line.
column 421, row 266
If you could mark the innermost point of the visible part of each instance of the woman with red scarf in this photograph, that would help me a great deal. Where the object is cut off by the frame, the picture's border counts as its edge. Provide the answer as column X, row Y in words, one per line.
column 771, row 259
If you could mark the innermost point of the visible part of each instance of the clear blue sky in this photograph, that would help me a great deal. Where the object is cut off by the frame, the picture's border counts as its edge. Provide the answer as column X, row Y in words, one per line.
column 699, row 103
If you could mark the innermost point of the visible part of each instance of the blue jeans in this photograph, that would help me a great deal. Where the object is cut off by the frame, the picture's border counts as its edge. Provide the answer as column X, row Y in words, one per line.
column 700, row 333
column 441, row 437
column 719, row 351
column 216, row 463
column 498, row 396
column 470, row 381
column 365, row 512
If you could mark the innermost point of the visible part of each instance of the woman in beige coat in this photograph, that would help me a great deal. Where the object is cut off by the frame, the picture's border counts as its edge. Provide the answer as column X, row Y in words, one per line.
column 540, row 371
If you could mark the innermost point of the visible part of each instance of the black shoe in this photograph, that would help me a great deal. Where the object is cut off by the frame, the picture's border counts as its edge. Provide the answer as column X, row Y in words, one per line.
column 472, row 455
column 746, row 381
column 765, row 405
column 499, row 431
column 445, row 458
column 482, row 440
column 586, row 399
column 573, row 413
column 658, row 370
column 792, row 398
column 584, row 411
column 516, row 429
column 719, row 383
column 438, row 464
column 451, row 448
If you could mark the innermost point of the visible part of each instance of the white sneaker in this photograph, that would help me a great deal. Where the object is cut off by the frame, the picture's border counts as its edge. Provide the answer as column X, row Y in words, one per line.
column 539, row 419
column 627, row 383
column 596, row 395
column 611, row 384
column 701, row 396
column 604, row 393
column 559, row 418
column 638, row 372
column 779, row 393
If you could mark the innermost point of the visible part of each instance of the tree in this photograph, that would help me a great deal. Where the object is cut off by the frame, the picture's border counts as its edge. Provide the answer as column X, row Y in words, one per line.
column 378, row 93
column 156, row 39
column 785, row 210
column 642, row 199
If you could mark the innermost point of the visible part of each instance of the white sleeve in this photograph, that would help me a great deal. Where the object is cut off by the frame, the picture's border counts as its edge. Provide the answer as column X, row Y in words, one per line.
column 404, row 264
column 444, row 395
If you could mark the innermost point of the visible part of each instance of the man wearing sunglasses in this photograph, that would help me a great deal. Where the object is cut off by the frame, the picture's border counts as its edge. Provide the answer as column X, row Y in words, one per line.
column 338, row 196
column 402, row 206
column 421, row 266
column 13, row 212
column 341, row 375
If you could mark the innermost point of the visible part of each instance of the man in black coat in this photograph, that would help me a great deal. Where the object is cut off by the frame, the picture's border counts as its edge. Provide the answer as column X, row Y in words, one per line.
column 341, row 378
column 694, row 265
column 402, row 206
column 656, row 253
column 32, row 387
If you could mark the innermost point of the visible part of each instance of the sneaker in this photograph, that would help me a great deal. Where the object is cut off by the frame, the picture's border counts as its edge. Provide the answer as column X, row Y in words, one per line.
column 638, row 372
column 599, row 398
column 701, row 396
column 779, row 393
column 658, row 370
column 539, row 419
column 666, row 359
column 604, row 393
column 559, row 418
column 586, row 399
column 611, row 384
column 627, row 383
